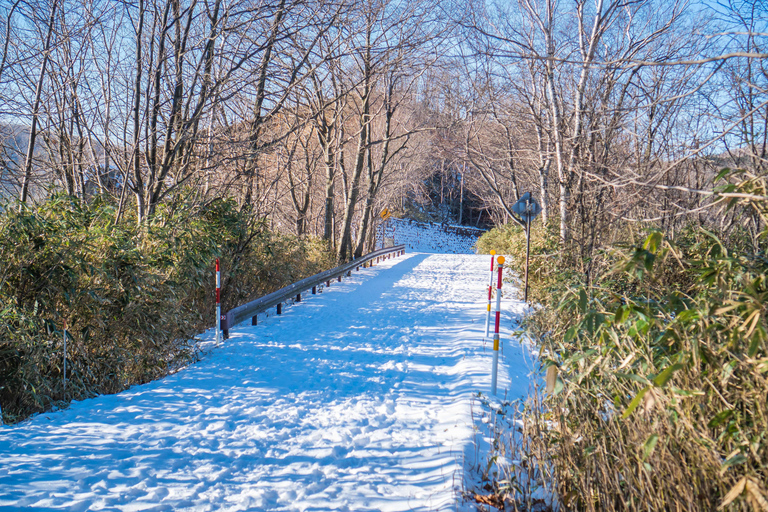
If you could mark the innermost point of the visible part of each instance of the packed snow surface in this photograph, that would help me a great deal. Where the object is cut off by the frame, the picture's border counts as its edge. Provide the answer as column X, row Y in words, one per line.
column 429, row 237
column 358, row 399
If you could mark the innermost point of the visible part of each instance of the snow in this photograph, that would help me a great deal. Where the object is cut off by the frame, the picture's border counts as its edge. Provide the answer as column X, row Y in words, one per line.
column 359, row 398
column 429, row 237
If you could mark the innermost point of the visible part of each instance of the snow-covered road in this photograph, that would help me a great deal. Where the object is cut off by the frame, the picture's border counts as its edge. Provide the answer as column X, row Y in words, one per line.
column 355, row 399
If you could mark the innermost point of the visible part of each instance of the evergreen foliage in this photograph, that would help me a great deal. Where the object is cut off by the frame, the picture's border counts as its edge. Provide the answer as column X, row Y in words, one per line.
column 129, row 298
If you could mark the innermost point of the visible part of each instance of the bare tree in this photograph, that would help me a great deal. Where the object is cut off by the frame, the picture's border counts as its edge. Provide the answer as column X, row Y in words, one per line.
column 46, row 53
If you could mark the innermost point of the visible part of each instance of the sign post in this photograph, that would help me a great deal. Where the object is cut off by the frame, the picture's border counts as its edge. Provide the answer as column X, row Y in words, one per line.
column 495, row 369
column 385, row 215
column 527, row 208
column 490, row 292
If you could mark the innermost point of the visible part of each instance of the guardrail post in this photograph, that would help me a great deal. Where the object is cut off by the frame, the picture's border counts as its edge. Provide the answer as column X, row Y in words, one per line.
column 327, row 284
column 500, row 260
column 339, row 278
column 255, row 320
column 218, row 303
column 314, row 290
column 279, row 308
column 298, row 297
column 490, row 290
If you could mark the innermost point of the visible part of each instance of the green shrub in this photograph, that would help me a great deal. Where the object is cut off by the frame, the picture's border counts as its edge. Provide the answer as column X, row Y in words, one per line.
column 657, row 376
column 550, row 270
column 129, row 298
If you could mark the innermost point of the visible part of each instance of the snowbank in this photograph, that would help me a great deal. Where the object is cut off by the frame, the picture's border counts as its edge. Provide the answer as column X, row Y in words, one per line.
column 429, row 237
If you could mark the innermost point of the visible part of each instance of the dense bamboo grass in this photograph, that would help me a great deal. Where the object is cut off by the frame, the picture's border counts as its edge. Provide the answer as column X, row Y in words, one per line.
column 130, row 299
column 656, row 373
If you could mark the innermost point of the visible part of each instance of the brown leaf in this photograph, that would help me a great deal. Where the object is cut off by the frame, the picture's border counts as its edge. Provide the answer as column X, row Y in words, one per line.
column 649, row 401
column 757, row 495
column 551, row 378
column 734, row 493
column 493, row 500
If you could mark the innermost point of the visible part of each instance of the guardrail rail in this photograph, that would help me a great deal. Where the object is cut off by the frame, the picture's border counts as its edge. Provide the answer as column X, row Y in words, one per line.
column 241, row 313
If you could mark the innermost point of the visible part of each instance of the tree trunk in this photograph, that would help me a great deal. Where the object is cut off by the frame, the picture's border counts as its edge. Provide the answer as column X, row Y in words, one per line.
column 36, row 108
column 345, row 243
column 324, row 137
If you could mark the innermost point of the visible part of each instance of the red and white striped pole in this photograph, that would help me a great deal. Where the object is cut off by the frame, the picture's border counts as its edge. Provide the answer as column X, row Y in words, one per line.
column 64, row 375
column 490, row 291
column 218, row 303
column 500, row 261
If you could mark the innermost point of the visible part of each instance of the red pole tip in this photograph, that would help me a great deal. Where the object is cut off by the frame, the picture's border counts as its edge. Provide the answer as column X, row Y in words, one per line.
column 217, row 264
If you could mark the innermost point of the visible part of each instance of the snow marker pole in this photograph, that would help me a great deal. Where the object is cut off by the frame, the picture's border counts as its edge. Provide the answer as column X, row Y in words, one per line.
column 490, row 290
column 64, row 375
column 500, row 260
column 218, row 303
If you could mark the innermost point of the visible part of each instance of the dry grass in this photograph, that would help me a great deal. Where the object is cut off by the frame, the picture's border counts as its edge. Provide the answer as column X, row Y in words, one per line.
column 658, row 378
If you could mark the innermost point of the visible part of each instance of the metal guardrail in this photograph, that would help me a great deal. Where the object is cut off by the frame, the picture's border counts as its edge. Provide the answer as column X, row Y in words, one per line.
column 253, row 308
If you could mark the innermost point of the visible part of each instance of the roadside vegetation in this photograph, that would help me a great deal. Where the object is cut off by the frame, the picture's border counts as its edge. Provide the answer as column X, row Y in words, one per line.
column 655, row 365
column 129, row 297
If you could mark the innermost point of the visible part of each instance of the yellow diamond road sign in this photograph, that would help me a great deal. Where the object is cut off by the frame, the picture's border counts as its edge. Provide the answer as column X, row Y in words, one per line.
column 385, row 213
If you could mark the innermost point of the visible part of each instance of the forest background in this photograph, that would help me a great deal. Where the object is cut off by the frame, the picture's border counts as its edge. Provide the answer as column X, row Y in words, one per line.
column 141, row 139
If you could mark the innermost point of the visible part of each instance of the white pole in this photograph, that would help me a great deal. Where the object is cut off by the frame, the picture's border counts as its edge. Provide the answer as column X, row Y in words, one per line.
column 218, row 303
column 500, row 260
column 64, row 375
column 490, row 290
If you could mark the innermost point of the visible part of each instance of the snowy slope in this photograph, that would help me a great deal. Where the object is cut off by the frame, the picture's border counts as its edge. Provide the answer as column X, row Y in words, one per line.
column 355, row 399
column 429, row 237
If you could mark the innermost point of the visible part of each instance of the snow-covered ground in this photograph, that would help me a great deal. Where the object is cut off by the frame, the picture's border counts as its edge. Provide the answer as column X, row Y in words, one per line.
column 359, row 398
column 429, row 237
